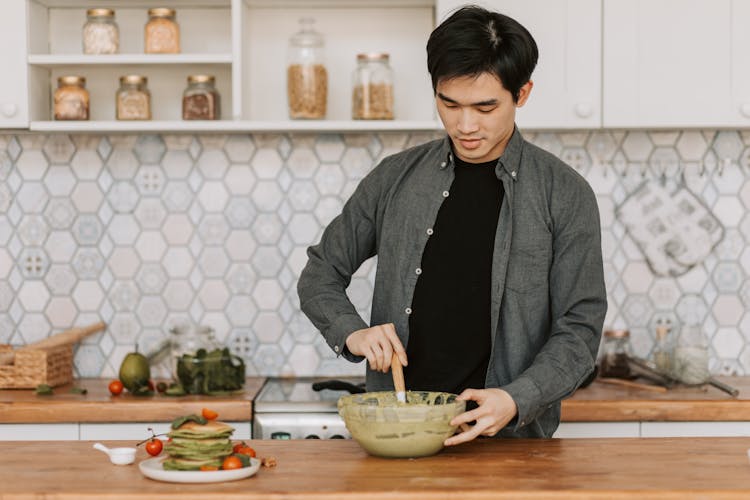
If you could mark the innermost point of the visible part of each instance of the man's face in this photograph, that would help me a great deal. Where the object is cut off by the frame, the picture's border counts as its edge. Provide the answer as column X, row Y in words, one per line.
column 478, row 113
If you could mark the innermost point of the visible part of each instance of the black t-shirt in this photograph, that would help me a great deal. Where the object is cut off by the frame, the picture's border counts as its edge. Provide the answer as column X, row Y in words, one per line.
column 449, row 327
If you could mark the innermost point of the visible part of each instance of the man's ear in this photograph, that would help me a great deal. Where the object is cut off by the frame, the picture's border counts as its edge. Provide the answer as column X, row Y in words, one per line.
column 523, row 93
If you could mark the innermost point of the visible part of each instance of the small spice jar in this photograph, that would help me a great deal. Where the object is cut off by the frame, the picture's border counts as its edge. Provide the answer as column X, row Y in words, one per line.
column 200, row 100
column 162, row 33
column 307, row 78
column 372, row 89
column 100, row 32
column 615, row 354
column 133, row 101
column 71, row 99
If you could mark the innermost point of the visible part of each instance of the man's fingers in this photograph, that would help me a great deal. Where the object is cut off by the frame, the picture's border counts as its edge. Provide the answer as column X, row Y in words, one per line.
column 378, row 355
column 463, row 437
column 467, row 416
column 398, row 348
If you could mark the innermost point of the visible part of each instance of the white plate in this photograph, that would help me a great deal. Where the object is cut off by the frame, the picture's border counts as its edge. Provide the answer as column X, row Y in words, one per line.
column 152, row 468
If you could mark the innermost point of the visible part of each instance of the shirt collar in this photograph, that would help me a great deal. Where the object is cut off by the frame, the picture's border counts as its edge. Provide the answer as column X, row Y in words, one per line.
column 510, row 161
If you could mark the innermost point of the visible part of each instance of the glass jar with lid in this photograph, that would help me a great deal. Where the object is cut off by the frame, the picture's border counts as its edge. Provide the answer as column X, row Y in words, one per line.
column 162, row 33
column 307, row 77
column 133, row 100
column 71, row 99
column 372, row 88
column 616, row 352
column 200, row 100
column 202, row 365
column 100, row 32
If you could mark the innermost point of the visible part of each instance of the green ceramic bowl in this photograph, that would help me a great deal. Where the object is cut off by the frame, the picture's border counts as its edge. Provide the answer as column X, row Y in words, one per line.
column 386, row 428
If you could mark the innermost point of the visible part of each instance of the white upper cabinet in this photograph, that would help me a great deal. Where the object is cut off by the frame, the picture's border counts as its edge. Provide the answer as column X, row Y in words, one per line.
column 567, row 79
column 14, row 82
column 676, row 63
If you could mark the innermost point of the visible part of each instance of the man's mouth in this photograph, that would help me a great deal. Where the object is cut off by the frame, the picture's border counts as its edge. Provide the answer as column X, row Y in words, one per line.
column 469, row 143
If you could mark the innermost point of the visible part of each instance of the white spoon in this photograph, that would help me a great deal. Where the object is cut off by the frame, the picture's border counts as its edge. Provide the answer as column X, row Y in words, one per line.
column 118, row 456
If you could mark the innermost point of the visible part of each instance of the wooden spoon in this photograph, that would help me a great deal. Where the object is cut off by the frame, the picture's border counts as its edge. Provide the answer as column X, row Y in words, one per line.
column 398, row 378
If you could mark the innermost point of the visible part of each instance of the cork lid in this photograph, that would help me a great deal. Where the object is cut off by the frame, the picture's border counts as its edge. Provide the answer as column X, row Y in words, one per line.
column 617, row 334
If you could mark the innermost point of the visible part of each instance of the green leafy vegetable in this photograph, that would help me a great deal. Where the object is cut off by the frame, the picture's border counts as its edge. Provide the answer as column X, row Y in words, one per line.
column 179, row 421
column 78, row 390
column 44, row 390
column 215, row 372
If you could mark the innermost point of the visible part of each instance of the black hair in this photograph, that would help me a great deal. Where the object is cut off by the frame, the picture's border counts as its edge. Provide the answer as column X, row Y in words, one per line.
column 474, row 40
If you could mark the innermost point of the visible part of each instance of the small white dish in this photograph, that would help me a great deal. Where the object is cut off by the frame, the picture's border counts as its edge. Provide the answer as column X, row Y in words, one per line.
column 152, row 468
column 118, row 456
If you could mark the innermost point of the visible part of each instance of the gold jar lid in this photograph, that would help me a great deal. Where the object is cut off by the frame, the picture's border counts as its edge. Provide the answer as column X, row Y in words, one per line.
column 201, row 79
column 71, row 80
column 373, row 56
column 100, row 13
column 617, row 334
column 161, row 12
column 134, row 79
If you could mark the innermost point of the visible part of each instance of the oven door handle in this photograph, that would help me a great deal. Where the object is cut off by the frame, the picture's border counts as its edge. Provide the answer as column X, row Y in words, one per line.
column 339, row 385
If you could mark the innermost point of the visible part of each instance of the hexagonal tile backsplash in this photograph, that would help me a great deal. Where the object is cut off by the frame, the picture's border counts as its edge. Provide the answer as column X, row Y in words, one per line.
column 149, row 231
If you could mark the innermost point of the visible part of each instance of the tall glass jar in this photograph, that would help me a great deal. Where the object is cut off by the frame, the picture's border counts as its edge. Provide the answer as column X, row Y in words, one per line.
column 616, row 352
column 664, row 350
column 307, row 77
column 691, row 355
column 133, row 100
column 200, row 100
column 372, row 88
column 71, row 99
column 100, row 33
column 162, row 33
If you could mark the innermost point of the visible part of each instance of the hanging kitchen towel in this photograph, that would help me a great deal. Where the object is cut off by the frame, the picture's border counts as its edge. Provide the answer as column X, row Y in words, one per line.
column 673, row 229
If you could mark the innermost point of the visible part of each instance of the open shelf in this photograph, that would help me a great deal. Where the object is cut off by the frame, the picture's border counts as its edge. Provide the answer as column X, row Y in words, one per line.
column 54, row 60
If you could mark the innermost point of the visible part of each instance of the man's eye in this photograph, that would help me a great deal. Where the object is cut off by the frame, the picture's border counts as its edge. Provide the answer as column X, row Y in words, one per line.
column 486, row 110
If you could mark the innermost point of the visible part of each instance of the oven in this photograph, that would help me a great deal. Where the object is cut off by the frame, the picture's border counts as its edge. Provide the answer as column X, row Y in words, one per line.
column 302, row 408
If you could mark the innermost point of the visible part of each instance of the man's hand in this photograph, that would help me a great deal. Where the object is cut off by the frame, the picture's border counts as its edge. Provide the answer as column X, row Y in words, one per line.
column 496, row 409
column 377, row 344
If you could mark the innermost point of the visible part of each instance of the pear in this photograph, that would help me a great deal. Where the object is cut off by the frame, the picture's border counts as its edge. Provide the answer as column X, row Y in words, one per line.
column 135, row 371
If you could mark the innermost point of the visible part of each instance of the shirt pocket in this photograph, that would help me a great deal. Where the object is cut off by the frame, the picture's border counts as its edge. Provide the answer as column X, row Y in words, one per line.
column 528, row 269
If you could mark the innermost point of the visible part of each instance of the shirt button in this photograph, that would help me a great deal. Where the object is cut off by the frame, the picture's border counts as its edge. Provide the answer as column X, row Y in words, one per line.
column 336, row 348
column 442, row 165
column 445, row 194
column 418, row 271
column 407, row 310
column 430, row 231
column 513, row 174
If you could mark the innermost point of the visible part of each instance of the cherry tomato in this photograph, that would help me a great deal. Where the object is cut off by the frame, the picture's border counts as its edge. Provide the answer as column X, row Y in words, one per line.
column 115, row 387
column 209, row 467
column 154, row 446
column 237, row 446
column 150, row 386
column 246, row 450
column 209, row 414
column 231, row 462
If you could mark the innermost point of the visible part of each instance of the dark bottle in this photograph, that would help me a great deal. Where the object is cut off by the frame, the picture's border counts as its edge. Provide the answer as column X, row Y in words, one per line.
column 615, row 353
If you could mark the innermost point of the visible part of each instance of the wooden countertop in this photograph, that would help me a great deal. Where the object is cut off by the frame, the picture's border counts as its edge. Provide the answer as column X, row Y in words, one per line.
column 596, row 403
column 98, row 405
column 669, row 468
column 601, row 402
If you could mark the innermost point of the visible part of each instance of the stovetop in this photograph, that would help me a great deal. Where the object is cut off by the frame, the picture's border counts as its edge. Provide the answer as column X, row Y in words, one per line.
column 293, row 395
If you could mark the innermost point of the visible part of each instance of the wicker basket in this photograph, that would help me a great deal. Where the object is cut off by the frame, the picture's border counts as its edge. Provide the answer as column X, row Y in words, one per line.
column 52, row 366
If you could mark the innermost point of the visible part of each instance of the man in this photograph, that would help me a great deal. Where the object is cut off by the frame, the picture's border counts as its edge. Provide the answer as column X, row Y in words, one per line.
column 489, row 279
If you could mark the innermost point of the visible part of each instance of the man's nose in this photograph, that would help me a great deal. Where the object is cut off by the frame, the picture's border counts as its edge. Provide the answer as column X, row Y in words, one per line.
column 467, row 122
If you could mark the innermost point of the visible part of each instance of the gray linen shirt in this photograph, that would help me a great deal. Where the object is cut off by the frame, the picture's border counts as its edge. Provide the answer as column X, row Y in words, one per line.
column 548, row 296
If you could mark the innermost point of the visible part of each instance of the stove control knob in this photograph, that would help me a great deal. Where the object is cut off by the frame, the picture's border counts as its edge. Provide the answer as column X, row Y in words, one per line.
column 281, row 435
column 337, row 436
column 312, row 436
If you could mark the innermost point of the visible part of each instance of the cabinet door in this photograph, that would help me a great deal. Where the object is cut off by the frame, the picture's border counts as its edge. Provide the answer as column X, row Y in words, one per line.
column 567, row 79
column 14, row 83
column 675, row 63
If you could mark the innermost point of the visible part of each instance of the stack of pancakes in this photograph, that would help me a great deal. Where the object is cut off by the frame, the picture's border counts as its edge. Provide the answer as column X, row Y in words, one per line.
column 194, row 445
